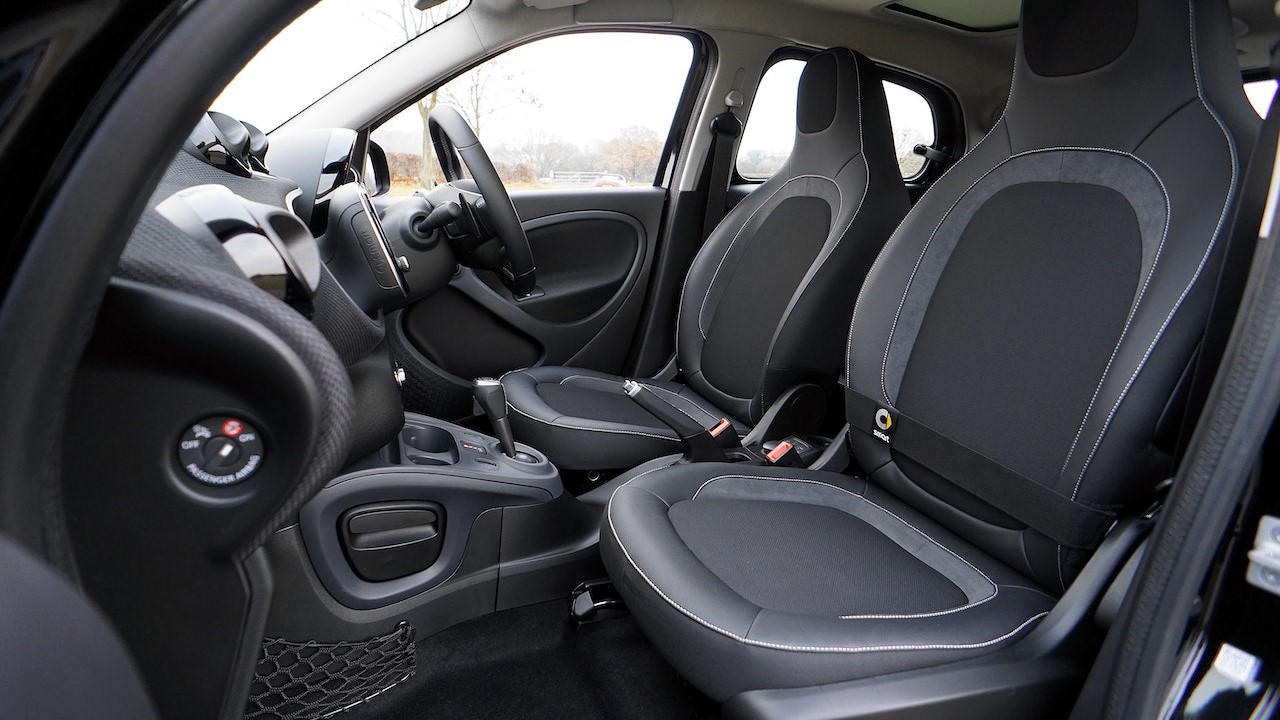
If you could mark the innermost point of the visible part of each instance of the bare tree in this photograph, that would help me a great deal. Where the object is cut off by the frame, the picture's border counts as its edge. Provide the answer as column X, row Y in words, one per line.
column 490, row 88
column 905, row 140
column 412, row 23
column 546, row 153
column 634, row 152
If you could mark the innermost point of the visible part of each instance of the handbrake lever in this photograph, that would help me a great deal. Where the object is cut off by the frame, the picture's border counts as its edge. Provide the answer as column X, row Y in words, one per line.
column 699, row 444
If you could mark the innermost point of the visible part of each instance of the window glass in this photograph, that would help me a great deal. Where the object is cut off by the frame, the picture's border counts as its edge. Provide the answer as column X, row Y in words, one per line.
column 912, row 121
column 771, row 126
column 582, row 110
column 1260, row 93
column 329, row 43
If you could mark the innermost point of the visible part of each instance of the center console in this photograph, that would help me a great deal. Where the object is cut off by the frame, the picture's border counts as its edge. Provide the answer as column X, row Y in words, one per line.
column 381, row 535
column 453, row 528
column 448, row 525
column 454, row 450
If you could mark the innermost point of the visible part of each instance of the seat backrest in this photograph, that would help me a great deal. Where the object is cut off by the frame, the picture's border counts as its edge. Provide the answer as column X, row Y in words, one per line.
column 1039, row 305
column 59, row 656
column 768, row 295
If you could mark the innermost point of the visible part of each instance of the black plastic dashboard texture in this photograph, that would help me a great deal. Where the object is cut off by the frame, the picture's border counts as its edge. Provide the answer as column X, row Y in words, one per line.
column 182, row 335
column 177, row 571
column 160, row 255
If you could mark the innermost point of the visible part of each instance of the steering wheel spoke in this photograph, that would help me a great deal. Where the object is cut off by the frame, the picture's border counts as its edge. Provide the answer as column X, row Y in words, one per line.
column 487, row 213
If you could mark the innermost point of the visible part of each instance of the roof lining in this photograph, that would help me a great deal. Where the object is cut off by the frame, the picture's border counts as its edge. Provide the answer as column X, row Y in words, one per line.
column 922, row 15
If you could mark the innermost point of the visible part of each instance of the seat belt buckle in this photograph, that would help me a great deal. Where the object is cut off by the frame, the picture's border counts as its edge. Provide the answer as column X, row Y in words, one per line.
column 783, row 455
column 724, row 435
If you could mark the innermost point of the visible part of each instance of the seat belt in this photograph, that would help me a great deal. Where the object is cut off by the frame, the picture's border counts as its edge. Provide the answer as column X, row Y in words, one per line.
column 1237, row 258
column 725, row 129
column 1066, row 521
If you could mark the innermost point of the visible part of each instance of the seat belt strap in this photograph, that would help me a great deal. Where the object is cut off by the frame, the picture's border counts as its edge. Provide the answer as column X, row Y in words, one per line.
column 725, row 129
column 1065, row 521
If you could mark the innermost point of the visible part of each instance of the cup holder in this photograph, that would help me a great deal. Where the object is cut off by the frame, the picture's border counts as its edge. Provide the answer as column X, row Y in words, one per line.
column 429, row 446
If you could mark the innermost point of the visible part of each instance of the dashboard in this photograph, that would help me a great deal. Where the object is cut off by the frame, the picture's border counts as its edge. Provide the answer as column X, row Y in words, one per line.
column 328, row 220
column 238, row 363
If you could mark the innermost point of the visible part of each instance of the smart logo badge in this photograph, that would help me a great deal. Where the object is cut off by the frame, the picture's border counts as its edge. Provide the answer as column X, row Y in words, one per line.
column 883, row 428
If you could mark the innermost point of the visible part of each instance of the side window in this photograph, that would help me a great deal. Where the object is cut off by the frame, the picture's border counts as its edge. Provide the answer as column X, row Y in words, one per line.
column 582, row 110
column 771, row 126
column 1260, row 93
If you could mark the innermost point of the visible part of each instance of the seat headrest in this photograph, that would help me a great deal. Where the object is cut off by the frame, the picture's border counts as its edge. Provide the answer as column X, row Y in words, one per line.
column 1107, row 72
column 1052, row 33
column 819, row 86
column 840, row 107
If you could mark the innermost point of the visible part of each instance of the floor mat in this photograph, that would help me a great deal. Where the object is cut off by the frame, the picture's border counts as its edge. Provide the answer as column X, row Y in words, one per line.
column 533, row 663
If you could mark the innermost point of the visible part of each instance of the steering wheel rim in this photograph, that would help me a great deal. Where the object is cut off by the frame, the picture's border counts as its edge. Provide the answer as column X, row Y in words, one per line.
column 452, row 136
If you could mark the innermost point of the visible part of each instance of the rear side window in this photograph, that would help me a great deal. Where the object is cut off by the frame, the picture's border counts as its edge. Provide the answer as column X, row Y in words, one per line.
column 771, row 126
column 1260, row 93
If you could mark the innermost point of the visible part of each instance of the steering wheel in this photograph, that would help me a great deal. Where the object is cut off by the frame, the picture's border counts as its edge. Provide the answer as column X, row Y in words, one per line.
column 452, row 137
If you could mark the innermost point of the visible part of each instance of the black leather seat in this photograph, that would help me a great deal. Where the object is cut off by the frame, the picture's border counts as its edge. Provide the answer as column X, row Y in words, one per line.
column 1011, row 362
column 768, row 295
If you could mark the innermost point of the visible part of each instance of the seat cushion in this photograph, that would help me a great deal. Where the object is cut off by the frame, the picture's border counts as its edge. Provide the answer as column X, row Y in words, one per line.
column 583, row 420
column 750, row 578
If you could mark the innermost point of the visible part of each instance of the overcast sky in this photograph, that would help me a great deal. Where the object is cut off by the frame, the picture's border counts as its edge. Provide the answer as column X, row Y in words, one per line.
column 588, row 85
column 301, row 63
column 581, row 82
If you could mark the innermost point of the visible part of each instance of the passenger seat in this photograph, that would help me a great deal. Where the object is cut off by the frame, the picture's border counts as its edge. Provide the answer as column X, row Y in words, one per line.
column 1012, row 364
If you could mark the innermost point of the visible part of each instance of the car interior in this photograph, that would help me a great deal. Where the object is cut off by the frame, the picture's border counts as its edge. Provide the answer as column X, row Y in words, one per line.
column 891, row 423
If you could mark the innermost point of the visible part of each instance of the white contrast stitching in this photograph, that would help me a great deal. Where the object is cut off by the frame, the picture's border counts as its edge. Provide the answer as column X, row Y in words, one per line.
column 1195, row 277
column 574, row 377
column 995, row 589
column 1199, row 268
column 728, row 250
column 1128, row 322
column 840, row 200
column 799, row 648
column 827, row 252
column 884, row 389
column 848, row 349
column 651, row 387
column 579, row 427
column 590, row 429
column 684, row 399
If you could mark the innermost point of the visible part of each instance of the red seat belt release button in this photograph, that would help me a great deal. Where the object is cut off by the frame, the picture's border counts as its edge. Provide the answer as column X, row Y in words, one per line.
column 720, row 427
column 778, row 451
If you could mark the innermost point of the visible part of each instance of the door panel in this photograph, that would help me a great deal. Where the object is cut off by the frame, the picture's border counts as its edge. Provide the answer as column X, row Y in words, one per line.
column 464, row 339
column 593, row 249
column 584, row 259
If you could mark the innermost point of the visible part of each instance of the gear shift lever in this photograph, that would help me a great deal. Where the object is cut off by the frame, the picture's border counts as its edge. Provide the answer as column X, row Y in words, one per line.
column 493, row 401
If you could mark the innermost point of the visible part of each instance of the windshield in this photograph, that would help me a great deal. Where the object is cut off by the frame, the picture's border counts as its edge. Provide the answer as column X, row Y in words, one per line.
column 325, row 46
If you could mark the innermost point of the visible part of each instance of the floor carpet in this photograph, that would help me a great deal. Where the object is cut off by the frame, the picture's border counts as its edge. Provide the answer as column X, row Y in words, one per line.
column 532, row 663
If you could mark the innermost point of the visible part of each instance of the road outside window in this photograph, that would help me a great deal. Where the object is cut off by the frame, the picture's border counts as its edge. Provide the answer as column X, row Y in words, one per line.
column 581, row 110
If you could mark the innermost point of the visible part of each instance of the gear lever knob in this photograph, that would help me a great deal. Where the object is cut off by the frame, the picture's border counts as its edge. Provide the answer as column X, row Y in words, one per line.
column 492, row 399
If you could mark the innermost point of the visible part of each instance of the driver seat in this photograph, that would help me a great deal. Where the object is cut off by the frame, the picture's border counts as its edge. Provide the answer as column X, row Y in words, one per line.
column 767, row 295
